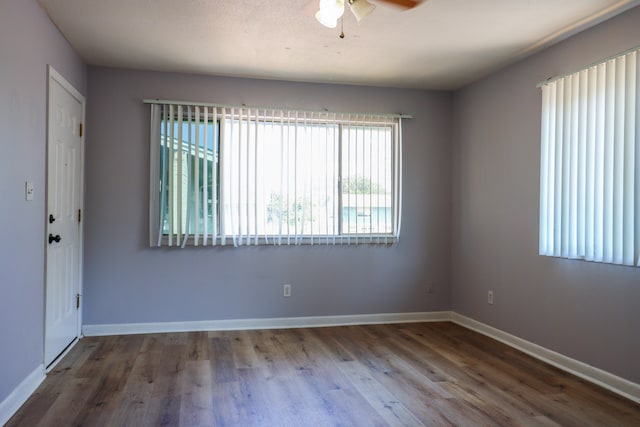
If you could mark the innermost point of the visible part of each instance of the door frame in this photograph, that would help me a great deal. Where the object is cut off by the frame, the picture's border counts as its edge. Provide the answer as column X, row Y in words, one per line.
column 53, row 75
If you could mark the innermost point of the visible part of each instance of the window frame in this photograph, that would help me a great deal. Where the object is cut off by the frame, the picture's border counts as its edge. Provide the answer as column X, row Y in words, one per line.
column 389, row 123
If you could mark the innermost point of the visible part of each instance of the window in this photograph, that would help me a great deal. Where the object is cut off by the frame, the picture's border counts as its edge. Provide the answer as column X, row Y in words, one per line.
column 590, row 163
column 242, row 176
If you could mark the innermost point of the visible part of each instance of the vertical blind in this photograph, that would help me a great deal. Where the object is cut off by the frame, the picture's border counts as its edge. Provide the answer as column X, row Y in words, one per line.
column 249, row 176
column 590, row 163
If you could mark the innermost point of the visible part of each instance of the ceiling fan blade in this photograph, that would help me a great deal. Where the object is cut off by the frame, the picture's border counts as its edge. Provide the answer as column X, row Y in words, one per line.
column 407, row 4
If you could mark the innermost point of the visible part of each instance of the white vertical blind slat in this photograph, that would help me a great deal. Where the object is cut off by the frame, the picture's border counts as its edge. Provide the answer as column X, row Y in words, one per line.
column 377, row 175
column 337, row 184
column 340, row 157
column 573, row 169
column 636, row 139
column 223, row 181
column 281, row 199
column 551, row 184
column 346, row 142
column 590, row 170
column 246, row 155
column 178, row 179
column 544, row 171
column 326, row 182
column 369, row 132
column 235, row 194
column 288, row 175
column 186, row 197
column 398, row 180
column 196, row 179
column 205, row 177
column 164, row 148
column 629, row 162
column 557, row 221
column 171, row 172
column 609, row 146
column 566, row 196
column 241, row 181
column 581, row 153
column 618, row 163
column 215, row 170
column 310, row 181
column 295, row 180
column 358, row 172
column 255, row 178
column 598, row 233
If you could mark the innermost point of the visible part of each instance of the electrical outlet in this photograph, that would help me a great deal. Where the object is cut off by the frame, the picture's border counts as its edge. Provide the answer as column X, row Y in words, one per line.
column 490, row 297
column 28, row 191
column 286, row 290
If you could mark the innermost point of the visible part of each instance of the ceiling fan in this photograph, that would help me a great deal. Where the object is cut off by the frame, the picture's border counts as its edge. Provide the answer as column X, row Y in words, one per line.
column 332, row 10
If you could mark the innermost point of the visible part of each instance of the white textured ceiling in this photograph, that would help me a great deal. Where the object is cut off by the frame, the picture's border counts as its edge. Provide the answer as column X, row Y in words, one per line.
column 441, row 44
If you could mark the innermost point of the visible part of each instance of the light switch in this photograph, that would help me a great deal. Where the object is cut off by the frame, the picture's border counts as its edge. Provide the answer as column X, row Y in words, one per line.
column 28, row 191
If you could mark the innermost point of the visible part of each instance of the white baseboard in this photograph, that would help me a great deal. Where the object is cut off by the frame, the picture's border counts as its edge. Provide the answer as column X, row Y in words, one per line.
column 269, row 323
column 597, row 376
column 20, row 394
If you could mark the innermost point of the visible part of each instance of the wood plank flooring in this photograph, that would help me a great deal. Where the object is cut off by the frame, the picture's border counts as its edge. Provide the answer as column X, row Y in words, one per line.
column 421, row 374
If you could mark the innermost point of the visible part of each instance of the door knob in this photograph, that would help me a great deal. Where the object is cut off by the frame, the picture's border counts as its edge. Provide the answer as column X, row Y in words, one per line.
column 53, row 238
column 51, row 219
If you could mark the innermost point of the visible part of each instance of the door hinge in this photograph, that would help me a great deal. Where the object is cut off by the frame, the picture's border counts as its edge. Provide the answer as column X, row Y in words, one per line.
column 79, row 215
column 80, row 130
column 77, row 301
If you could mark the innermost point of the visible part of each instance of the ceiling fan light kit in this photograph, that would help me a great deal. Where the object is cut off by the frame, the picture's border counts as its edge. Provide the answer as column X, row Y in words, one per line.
column 332, row 10
column 361, row 8
column 329, row 13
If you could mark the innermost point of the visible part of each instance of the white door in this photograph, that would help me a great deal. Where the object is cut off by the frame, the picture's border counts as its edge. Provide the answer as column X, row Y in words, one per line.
column 64, row 204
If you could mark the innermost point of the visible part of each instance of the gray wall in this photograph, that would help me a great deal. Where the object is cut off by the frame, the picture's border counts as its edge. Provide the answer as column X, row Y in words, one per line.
column 126, row 281
column 28, row 42
column 584, row 310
